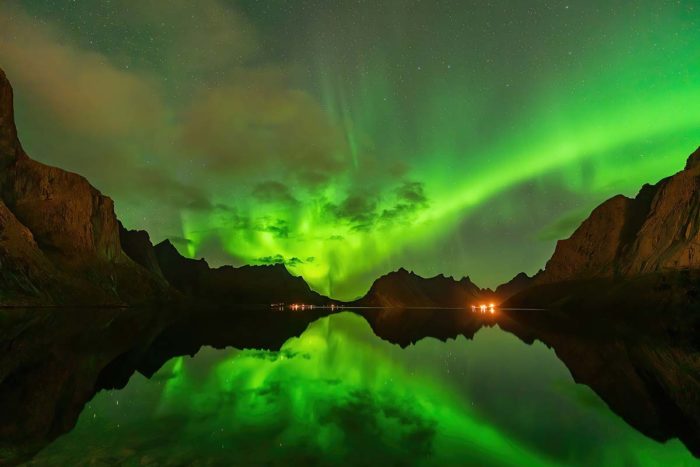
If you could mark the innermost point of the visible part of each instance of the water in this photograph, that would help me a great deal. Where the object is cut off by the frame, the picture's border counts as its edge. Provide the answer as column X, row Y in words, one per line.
column 337, row 394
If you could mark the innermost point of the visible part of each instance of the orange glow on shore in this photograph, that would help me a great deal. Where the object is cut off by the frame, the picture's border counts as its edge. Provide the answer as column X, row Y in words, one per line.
column 484, row 308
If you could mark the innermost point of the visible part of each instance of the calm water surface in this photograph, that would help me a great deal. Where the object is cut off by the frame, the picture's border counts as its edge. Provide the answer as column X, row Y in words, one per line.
column 338, row 394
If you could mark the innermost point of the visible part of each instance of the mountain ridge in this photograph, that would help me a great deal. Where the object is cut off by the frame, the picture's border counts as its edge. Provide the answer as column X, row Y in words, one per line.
column 61, row 243
column 657, row 230
column 403, row 288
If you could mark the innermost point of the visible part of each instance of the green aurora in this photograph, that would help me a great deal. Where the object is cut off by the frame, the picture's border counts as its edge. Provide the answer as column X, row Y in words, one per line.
column 338, row 394
column 347, row 139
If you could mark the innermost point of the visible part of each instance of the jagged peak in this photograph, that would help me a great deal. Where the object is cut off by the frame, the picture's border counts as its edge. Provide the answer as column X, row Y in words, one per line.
column 133, row 231
column 693, row 160
column 166, row 245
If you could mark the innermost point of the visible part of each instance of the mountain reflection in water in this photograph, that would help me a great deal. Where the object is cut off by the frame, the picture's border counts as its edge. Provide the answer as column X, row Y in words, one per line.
column 343, row 391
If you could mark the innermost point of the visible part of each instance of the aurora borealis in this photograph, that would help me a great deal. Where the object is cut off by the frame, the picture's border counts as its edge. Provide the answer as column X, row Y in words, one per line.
column 337, row 394
column 347, row 139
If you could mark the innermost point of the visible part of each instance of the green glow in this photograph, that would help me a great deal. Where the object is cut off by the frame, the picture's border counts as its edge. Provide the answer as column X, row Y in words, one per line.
column 615, row 122
column 348, row 142
column 337, row 394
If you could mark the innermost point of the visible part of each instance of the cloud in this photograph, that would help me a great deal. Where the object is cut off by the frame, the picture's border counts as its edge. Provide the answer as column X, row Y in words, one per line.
column 180, row 116
column 204, row 110
column 357, row 210
column 258, row 124
column 80, row 89
column 412, row 192
column 79, row 111
column 362, row 211
column 277, row 227
column 410, row 198
column 279, row 259
column 273, row 192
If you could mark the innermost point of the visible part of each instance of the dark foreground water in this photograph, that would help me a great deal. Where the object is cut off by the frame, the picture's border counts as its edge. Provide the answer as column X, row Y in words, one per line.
column 340, row 395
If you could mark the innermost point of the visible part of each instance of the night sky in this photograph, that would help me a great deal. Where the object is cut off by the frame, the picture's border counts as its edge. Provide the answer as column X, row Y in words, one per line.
column 349, row 138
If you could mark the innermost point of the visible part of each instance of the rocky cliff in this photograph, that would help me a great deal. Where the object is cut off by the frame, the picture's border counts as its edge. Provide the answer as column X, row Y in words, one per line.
column 59, row 236
column 657, row 231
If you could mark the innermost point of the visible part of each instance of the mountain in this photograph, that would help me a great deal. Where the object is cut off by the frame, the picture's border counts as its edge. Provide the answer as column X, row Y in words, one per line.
column 137, row 245
column 59, row 236
column 61, row 243
column 228, row 285
column 632, row 256
column 517, row 284
column 657, row 231
column 406, row 289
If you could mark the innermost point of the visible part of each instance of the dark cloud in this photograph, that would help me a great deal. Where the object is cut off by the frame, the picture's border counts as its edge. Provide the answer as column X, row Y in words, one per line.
column 412, row 192
column 359, row 211
column 279, row 259
column 410, row 198
column 313, row 179
column 277, row 227
column 232, row 218
column 273, row 192
column 272, row 356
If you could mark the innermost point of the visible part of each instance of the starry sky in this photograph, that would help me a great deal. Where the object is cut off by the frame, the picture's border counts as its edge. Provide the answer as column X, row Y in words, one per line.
column 349, row 138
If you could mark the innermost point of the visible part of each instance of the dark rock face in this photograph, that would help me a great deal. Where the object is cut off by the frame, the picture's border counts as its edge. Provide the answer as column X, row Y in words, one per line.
column 60, row 242
column 23, row 267
column 402, row 288
column 657, row 231
column 137, row 245
column 260, row 285
column 68, row 218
